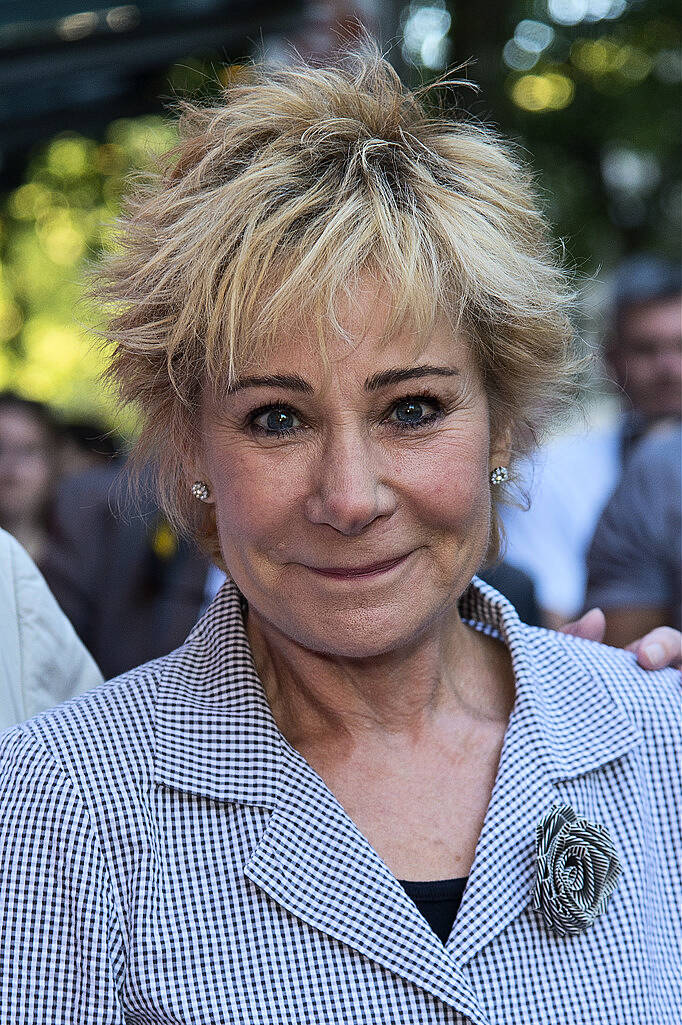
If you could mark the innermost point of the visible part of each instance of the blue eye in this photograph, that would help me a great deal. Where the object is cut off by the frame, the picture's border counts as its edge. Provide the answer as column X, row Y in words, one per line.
column 279, row 420
column 414, row 412
column 275, row 420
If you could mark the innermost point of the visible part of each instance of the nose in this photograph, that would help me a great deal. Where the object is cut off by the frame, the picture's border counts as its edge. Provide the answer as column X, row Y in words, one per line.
column 348, row 487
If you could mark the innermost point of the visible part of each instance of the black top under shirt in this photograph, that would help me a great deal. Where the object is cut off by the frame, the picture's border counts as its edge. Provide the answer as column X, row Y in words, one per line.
column 438, row 902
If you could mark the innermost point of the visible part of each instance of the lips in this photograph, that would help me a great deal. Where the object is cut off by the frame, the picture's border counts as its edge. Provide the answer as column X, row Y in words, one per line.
column 369, row 569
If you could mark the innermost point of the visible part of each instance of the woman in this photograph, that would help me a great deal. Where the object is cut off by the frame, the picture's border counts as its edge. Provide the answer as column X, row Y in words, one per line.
column 342, row 322
column 30, row 462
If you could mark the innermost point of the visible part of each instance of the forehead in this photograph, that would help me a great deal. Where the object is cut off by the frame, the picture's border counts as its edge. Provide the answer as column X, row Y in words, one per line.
column 365, row 341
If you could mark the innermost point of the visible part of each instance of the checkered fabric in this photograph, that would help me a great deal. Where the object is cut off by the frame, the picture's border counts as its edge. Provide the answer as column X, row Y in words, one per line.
column 168, row 858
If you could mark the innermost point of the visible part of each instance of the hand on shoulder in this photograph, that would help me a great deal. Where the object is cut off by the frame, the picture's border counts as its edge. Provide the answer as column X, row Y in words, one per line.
column 658, row 649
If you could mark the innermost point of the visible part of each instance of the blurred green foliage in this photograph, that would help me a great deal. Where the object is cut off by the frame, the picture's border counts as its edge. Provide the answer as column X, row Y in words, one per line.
column 50, row 228
column 591, row 90
column 608, row 156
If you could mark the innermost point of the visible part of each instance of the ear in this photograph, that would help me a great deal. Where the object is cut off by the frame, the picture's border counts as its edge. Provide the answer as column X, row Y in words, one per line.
column 194, row 473
column 500, row 448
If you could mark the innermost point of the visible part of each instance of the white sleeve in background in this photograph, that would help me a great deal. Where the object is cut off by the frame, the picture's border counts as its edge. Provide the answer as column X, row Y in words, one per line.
column 42, row 661
column 569, row 482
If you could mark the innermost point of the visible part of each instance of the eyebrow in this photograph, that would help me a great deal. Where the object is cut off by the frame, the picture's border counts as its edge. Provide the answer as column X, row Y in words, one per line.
column 291, row 381
column 387, row 377
column 382, row 380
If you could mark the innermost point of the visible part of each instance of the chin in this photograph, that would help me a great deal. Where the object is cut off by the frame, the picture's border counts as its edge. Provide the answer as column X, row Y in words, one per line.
column 357, row 633
column 349, row 644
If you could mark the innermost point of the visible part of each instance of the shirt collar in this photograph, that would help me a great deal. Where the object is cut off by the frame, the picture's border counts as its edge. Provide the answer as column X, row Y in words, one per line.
column 556, row 683
column 215, row 734
column 216, row 737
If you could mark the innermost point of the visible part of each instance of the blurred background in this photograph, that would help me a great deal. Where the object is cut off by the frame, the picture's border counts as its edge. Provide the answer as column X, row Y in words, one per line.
column 589, row 88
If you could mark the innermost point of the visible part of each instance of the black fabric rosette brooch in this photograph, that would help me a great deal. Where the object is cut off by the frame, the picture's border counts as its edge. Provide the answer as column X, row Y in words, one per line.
column 577, row 871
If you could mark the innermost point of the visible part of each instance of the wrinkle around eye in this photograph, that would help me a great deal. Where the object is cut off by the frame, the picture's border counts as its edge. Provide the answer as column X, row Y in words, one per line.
column 434, row 408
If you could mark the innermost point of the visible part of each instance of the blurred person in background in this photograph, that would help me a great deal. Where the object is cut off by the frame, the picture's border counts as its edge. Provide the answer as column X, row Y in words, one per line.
column 42, row 661
column 131, row 587
column 87, row 444
column 635, row 559
column 644, row 345
column 30, row 466
column 572, row 477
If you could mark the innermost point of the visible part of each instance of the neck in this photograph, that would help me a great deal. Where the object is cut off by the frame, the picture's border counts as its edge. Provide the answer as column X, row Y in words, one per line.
column 454, row 671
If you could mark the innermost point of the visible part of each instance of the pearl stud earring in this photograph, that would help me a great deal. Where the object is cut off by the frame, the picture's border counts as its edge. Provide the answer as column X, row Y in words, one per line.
column 499, row 475
column 201, row 491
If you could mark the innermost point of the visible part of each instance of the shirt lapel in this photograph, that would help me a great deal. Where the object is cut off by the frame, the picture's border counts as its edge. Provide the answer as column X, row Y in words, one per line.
column 564, row 724
column 313, row 861
column 215, row 736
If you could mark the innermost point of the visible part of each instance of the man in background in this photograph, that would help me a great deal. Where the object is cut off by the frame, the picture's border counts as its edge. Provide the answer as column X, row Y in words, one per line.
column 573, row 477
column 635, row 560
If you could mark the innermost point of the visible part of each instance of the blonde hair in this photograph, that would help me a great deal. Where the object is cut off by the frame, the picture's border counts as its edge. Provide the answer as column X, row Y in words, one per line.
column 274, row 203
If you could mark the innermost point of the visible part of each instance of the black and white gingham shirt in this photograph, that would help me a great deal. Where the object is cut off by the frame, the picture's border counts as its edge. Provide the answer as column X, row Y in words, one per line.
column 168, row 858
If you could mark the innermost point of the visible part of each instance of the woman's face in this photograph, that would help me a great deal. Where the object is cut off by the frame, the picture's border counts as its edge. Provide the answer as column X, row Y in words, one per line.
column 353, row 501
column 26, row 466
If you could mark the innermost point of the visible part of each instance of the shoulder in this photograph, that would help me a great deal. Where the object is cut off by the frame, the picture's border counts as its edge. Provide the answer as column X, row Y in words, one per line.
column 80, row 778
column 653, row 470
column 659, row 450
column 650, row 700
column 96, row 741
column 634, row 554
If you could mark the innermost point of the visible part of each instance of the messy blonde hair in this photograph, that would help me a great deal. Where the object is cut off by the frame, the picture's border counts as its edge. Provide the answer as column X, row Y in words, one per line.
column 273, row 204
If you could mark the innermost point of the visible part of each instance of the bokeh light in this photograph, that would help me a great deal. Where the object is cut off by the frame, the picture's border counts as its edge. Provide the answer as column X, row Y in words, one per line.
column 539, row 93
column 531, row 39
column 425, row 29
column 572, row 12
column 533, row 36
column 625, row 169
column 602, row 57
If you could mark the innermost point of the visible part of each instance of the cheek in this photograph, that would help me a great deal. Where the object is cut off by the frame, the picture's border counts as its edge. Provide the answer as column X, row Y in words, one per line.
column 254, row 500
column 449, row 483
column 36, row 477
